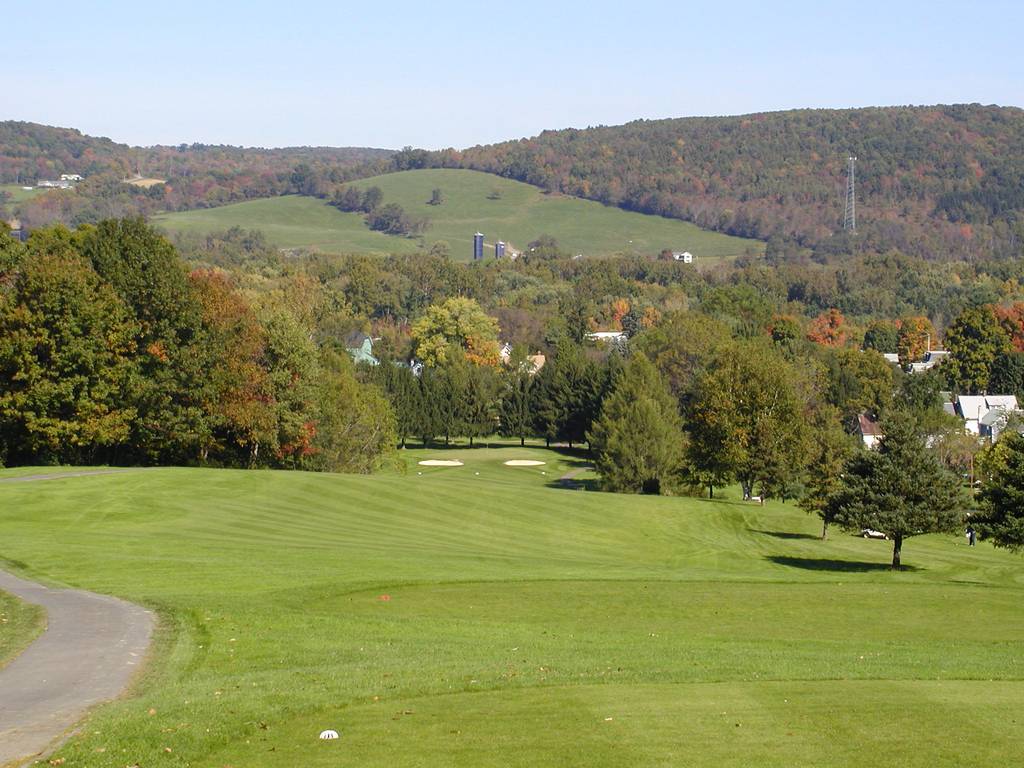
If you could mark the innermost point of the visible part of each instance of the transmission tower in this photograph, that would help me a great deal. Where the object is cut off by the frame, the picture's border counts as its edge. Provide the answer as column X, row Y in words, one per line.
column 850, row 217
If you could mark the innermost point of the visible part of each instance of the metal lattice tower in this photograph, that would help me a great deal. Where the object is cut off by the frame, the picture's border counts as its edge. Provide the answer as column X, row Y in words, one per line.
column 850, row 217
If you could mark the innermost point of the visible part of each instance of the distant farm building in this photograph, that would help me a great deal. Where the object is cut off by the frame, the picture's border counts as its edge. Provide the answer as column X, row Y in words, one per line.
column 70, row 177
column 615, row 338
column 478, row 246
column 499, row 249
column 684, row 256
column 55, row 184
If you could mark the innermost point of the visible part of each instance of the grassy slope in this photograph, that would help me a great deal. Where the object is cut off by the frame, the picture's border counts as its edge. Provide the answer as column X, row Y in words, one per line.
column 519, row 216
column 19, row 195
column 525, row 625
column 20, row 624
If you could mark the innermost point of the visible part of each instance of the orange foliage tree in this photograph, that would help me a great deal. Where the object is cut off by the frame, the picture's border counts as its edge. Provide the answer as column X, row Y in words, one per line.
column 829, row 328
column 913, row 338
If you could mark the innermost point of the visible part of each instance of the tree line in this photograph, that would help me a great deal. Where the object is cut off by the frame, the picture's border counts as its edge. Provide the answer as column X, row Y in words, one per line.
column 111, row 351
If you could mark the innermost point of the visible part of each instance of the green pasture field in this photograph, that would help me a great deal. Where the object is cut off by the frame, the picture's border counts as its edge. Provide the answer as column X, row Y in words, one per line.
column 487, row 615
column 20, row 624
column 19, row 195
column 519, row 215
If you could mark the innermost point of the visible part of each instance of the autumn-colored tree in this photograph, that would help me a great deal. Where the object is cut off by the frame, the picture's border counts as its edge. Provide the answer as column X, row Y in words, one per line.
column 914, row 337
column 237, row 392
column 829, row 329
column 619, row 309
column 1012, row 319
column 461, row 323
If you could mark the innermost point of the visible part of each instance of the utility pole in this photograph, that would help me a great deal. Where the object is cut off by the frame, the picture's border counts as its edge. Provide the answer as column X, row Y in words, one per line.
column 850, row 217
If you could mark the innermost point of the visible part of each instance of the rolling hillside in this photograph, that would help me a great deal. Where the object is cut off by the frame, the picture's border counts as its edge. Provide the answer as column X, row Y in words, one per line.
column 500, row 208
column 940, row 181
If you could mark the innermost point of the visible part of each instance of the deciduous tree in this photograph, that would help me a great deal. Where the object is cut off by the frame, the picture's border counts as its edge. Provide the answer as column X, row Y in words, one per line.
column 66, row 358
column 748, row 420
column 458, row 323
column 974, row 340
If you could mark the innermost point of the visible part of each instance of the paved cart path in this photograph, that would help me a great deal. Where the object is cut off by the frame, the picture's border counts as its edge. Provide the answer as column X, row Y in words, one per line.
column 92, row 647
column 568, row 478
column 61, row 475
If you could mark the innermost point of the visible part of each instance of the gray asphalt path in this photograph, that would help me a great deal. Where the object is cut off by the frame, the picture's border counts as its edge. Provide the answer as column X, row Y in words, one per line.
column 61, row 475
column 568, row 478
column 92, row 647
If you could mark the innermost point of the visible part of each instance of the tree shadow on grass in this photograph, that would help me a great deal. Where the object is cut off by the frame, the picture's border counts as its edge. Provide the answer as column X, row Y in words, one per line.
column 574, row 484
column 785, row 534
column 826, row 564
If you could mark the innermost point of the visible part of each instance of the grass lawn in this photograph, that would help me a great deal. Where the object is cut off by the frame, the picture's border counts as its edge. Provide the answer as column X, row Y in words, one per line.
column 485, row 615
column 518, row 216
column 20, row 624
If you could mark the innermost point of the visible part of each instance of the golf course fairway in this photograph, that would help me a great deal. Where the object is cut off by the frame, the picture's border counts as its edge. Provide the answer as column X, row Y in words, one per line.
column 489, row 615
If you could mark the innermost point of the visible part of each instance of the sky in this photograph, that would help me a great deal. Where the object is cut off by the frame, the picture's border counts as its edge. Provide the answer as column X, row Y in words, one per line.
column 456, row 74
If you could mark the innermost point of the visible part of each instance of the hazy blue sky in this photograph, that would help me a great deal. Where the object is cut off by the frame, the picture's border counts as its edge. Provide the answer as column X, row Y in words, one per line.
column 438, row 73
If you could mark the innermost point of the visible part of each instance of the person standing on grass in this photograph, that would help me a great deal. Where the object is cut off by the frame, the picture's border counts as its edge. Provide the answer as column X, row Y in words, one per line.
column 971, row 536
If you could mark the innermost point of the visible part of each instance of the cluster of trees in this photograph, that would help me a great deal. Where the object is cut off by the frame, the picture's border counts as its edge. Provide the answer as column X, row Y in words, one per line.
column 389, row 218
column 112, row 351
column 466, row 390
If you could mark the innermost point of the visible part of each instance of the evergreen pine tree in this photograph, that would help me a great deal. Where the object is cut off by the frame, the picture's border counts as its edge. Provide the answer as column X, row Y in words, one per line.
column 1002, row 496
column 517, row 396
column 638, row 439
column 901, row 489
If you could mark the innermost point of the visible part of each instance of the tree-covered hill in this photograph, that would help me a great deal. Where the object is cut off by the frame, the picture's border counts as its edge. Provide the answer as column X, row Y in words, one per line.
column 196, row 175
column 941, row 181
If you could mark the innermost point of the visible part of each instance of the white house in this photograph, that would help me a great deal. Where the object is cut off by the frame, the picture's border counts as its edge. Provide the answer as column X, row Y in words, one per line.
column 931, row 358
column 684, row 256
column 612, row 337
column 986, row 415
column 70, row 177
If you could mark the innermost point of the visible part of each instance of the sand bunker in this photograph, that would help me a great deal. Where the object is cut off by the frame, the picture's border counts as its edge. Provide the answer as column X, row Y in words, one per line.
column 524, row 463
column 440, row 463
